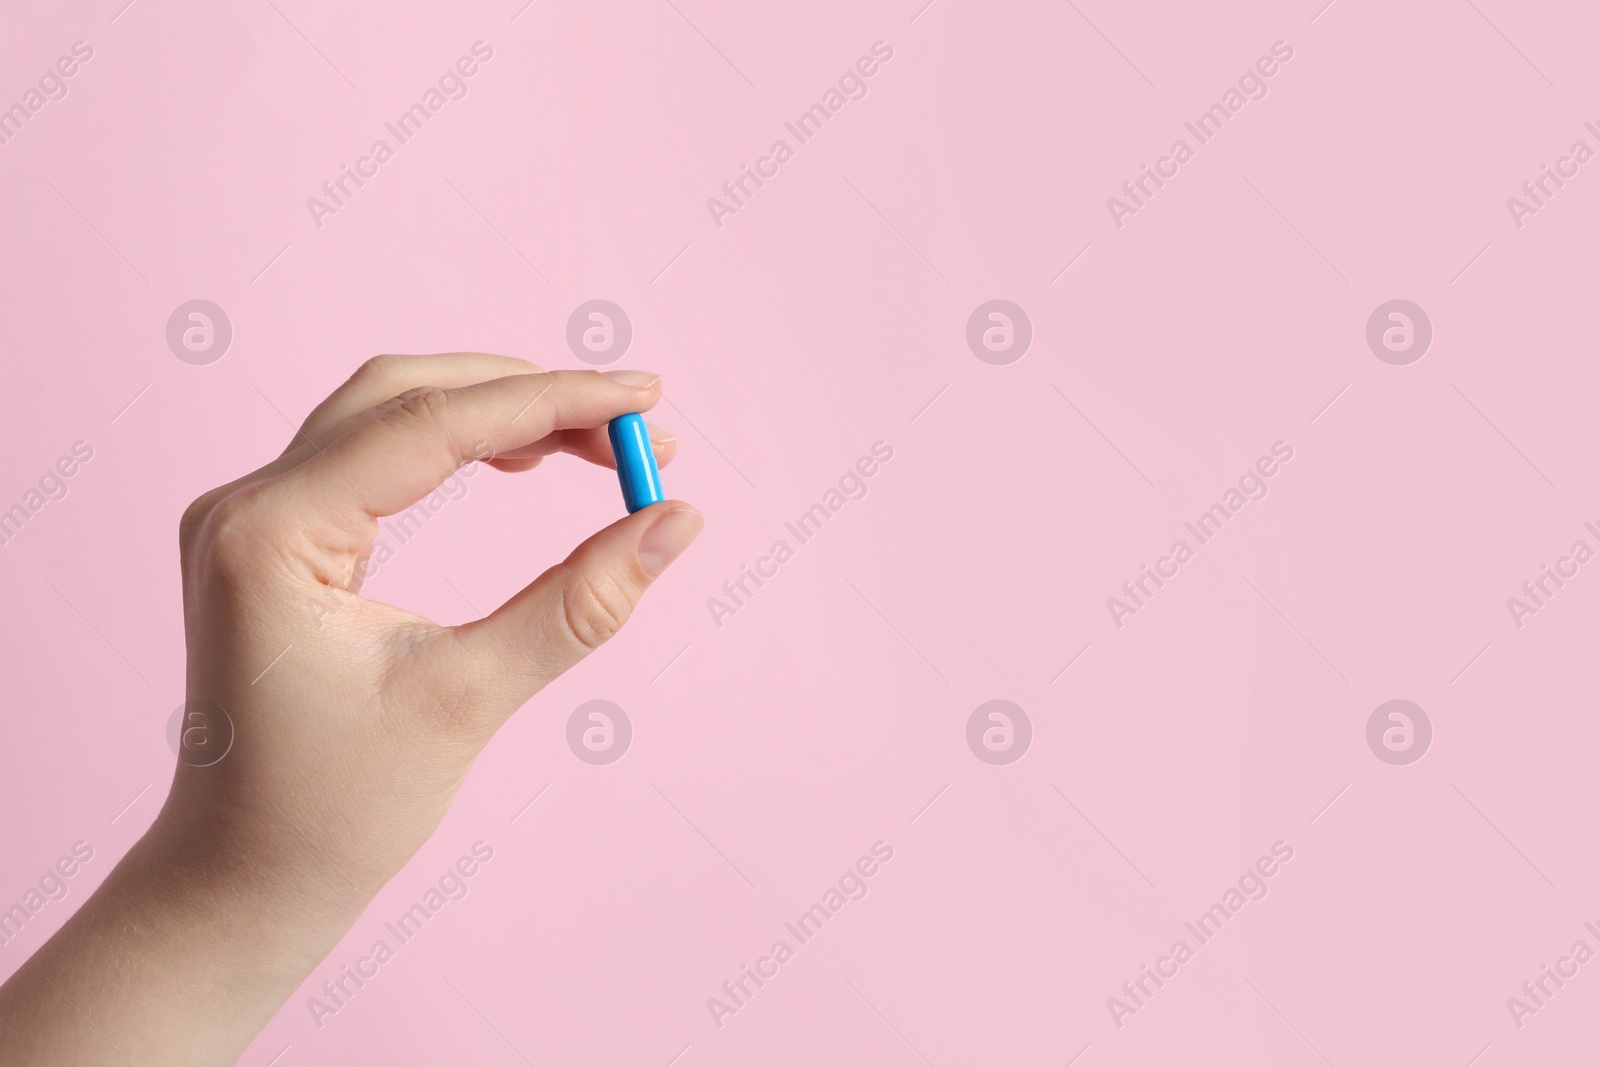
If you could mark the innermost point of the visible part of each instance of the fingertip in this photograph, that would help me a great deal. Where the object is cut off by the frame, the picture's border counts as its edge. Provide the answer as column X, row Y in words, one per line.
column 674, row 504
column 673, row 530
column 514, row 466
column 643, row 385
column 633, row 379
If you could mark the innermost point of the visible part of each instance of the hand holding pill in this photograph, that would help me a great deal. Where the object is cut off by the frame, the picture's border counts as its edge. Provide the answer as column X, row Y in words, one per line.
column 355, row 721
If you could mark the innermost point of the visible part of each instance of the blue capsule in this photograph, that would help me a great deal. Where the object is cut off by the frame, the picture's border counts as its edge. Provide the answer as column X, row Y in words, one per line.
column 636, row 462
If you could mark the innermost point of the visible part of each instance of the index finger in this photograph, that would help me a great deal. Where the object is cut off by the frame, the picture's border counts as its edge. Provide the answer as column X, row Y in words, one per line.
column 387, row 463
column 382, row 377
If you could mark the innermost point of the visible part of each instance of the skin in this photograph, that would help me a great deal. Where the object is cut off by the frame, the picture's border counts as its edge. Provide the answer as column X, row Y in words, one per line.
column 348, row 751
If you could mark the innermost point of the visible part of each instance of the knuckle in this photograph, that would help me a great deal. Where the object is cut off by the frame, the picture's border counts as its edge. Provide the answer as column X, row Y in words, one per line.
column 230, row 518
column 231, row 528
column 376, row 369
column 194, row 516
column 594, row 606
column 425, row 403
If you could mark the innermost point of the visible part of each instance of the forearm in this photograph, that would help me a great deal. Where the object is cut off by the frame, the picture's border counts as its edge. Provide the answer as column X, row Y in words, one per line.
column 176, row 960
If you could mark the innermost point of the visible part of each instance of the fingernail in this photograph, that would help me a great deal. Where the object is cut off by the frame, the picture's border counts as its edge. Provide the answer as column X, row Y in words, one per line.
column 667, row 537
column 636, row 379
column 662, row 437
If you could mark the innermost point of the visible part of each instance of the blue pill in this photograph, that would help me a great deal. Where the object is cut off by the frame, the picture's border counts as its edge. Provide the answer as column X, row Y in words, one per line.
column 636, row 462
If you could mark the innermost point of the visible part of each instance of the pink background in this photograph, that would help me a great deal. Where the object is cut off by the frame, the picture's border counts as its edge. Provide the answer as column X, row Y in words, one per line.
column 772, row 751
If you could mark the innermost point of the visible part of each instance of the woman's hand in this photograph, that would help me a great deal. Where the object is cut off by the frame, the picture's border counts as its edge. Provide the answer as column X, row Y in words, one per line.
column 353, row 722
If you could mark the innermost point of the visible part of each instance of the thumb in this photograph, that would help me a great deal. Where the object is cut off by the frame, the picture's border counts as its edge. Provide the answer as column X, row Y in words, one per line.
column 576, row 606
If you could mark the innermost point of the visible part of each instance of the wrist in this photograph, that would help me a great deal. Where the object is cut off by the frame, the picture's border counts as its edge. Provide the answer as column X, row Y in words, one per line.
column 233, row 879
